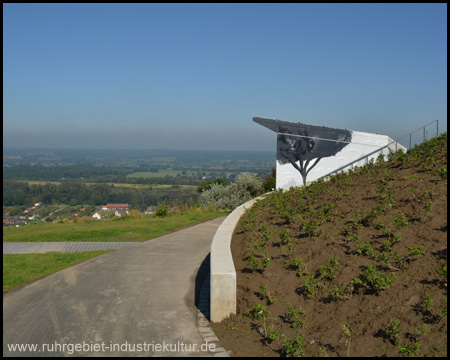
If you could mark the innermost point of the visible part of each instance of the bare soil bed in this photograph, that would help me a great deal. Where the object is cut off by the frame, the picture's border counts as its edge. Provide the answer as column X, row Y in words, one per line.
column 355, row 266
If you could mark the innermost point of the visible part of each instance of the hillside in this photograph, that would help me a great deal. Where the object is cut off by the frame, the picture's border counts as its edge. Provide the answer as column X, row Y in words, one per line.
column 355, row 266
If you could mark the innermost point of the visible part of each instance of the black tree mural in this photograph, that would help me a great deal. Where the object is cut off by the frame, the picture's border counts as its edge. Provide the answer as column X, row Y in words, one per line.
column 303, row 146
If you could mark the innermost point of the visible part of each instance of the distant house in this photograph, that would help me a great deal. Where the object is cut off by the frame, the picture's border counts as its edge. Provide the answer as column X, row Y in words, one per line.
column 175, row 209
column 114, row 207
column 120, row 212
column 150, row 210
column 14, row 221
column 97, row 215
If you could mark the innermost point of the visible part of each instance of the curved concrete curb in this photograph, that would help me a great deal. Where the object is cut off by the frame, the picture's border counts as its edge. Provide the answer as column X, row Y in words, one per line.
column 223, row 273
column 206, row 332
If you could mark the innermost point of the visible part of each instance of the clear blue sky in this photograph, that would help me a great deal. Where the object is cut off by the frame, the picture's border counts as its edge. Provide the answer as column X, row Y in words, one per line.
column 192, row 76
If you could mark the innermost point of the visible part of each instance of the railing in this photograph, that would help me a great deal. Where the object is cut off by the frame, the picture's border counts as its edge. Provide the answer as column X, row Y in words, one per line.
column 388, row 146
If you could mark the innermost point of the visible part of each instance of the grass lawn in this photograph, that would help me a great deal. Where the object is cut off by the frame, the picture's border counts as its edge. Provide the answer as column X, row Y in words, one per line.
column 19, row 269
column 23, row 268
column 119, row 229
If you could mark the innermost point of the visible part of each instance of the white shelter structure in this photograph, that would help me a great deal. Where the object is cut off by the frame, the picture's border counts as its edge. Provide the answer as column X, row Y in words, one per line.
column 308, row 152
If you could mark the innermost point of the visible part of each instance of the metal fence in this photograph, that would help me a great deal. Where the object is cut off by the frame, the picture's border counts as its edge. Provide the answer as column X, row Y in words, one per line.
column 391, row 146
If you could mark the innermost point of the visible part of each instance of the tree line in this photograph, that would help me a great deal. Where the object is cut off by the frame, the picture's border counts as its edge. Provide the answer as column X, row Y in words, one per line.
column 73, row 192
column 92, row 173
column 56, row 173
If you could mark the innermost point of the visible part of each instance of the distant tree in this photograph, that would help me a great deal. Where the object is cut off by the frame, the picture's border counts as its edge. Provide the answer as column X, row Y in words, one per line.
column 47, row 199
column 134, row 213
column 207, row 184
column 271, row 180
column 162, row 210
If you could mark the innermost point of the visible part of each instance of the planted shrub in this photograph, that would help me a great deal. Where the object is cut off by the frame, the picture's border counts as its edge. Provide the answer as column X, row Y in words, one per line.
column 162, row 210
column 246, row 187
column 208, row 184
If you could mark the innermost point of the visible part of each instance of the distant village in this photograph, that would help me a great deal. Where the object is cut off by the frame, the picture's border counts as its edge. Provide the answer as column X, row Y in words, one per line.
column 110, row 210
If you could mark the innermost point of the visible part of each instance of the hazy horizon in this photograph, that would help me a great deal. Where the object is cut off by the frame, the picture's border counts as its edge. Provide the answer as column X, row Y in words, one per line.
column 129, row 149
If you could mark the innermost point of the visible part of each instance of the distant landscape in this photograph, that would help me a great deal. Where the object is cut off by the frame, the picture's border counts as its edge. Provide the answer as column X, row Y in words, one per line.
column 70, row 183
column 53, row 195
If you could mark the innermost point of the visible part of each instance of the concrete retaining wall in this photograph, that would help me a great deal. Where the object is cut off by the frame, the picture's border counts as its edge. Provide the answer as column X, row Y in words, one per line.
column 223, row 273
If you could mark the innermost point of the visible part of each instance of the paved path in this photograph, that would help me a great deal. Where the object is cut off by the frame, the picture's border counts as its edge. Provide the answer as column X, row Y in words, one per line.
column 45, row 247
column 137, row 298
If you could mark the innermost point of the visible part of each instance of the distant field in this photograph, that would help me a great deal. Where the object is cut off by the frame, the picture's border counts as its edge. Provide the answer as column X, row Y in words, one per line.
column 132, row 186
column 143, row 186
column 160, row 173
column 163, row 158
column 39, row 182
column 169, row 172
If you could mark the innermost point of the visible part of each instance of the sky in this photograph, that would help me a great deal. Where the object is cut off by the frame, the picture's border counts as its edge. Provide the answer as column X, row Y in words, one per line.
column 192, row 76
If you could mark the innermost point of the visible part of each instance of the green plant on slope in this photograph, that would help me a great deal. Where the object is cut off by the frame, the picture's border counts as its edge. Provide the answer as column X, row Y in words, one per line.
column 265, row 262
column 265, row 294
column 328, row 271
column 428, row 301
column 296, row 264
column 309, row 286
column 409, row 350
column 424, row 331
column 399, row 220
column 347, row 334
column 372, row 279
column 393, row 330
column 293, row 316
column 259, row 312
column 285, row 240
column 443, row 275
column 337, row 293
column 294, row 347
column 252, row 263
column 429, row 207
column 272, row 333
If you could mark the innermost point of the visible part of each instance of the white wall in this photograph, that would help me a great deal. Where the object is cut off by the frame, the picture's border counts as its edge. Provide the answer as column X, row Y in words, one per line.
column 362, row 143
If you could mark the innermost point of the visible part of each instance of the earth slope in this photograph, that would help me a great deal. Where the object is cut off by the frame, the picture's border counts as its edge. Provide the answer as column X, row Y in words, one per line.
column 353, row 266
